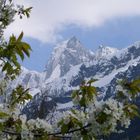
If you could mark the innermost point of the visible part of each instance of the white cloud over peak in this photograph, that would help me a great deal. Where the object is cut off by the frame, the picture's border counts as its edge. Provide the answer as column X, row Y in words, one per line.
column 49, row 17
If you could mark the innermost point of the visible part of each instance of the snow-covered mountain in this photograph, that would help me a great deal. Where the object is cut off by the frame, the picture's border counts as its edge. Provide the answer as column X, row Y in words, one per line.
column 66, row 55
column 30, row 79
column 70, row 64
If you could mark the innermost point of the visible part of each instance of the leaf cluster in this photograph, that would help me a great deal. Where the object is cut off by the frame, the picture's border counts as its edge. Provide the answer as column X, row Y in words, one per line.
column 19, row 96
column 130, row 90
column 9, row 53
column 73, row 123
column 85, row 94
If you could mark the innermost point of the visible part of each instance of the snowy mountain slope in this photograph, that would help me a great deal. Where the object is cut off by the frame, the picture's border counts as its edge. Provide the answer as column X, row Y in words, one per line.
column 70, row 64
column 29, row 79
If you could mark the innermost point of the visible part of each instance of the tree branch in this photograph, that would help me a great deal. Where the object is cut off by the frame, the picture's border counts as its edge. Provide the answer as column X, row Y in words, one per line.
column 50, row 134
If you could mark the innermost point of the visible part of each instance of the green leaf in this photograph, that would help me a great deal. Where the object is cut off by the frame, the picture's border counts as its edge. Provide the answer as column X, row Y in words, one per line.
column 64, row 129
column 86, row 137
column 82, row 102
column 20, row 95
column 18, row 125
column 1, row 126
column 20, row 37
column 121, row 95
column 7, row 66
column 91, row 81
column 12, row 40
column 27, row 11
column 26, row 47
column 74, row 94
column 44, row 136
column 3, row 115
column 131, row 110
column 19, row 52
column 101, row 118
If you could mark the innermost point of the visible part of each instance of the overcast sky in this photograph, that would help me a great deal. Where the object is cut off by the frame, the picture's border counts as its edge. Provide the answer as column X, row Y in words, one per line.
column 94, row 22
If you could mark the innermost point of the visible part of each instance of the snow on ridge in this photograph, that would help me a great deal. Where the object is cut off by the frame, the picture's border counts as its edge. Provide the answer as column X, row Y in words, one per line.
column 63, row 82
column 105, row 52
column 65, row 105
column 136, row 44
column 55, row 74
column 25, row 70
column 29, row 79
column 107, row 79
column 59, row 49
column 123, row 52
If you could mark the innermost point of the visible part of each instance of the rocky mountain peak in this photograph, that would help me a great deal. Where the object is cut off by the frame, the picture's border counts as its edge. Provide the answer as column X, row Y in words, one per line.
column 105, row 52
column 73, row 42
column 65, row 55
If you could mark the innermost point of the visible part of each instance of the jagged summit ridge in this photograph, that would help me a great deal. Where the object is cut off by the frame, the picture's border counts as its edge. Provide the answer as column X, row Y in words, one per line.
column 71, row 52
column 105, row 52
column 73, row 42
column 65, row 55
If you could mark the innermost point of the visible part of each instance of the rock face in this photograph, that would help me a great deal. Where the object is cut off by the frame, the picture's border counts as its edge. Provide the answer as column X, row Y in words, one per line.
column 66, row 55
column 70, row 64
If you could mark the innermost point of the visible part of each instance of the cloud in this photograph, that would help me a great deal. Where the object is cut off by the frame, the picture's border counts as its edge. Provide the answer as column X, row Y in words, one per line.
column 49, row 17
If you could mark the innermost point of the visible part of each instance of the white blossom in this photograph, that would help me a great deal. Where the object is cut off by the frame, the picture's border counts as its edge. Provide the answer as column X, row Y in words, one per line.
column 114, row 113
column 39, row 123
